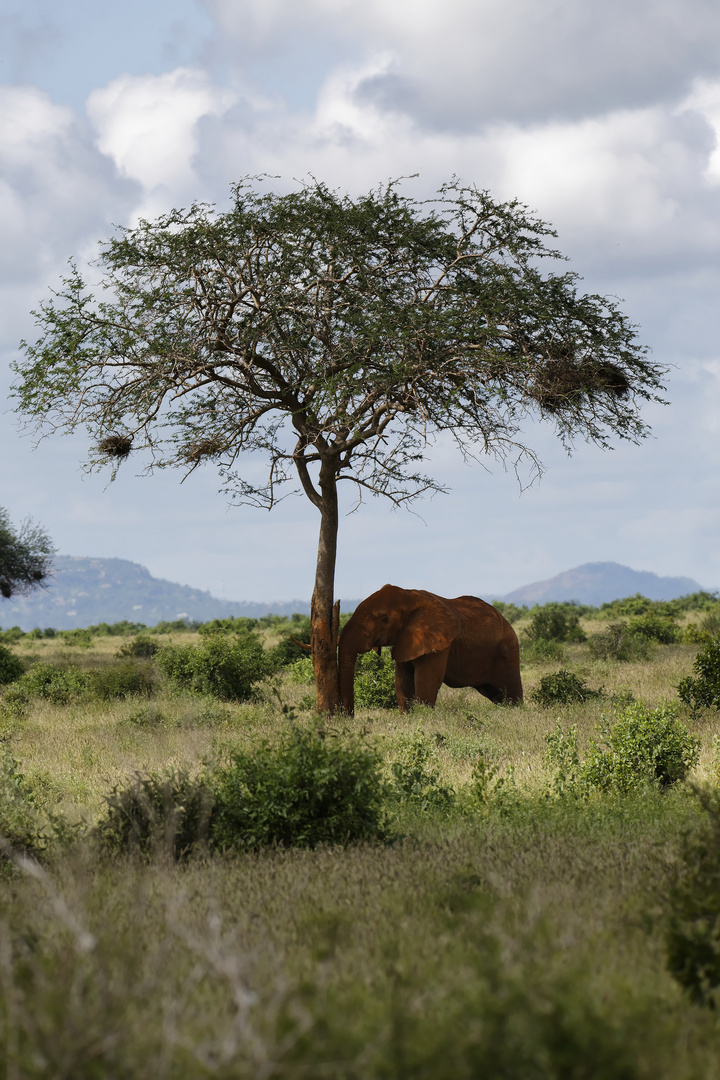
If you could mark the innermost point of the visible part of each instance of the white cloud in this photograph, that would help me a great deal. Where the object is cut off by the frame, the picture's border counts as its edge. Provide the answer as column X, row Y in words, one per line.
column 148, row 124
column 460, row 63
column 57, row 193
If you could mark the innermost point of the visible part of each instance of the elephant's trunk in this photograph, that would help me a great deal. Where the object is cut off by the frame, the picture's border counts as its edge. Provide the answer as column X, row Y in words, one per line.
column 348, row 650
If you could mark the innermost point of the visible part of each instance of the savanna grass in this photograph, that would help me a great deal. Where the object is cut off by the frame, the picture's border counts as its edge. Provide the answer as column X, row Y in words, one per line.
column 512, row 929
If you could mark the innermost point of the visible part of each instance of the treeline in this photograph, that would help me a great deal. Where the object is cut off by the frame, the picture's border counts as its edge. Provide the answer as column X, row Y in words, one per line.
column 628, row 607
column 625, row 608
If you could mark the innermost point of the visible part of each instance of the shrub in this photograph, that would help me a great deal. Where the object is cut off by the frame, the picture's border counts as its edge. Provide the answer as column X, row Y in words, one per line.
column 308, row 790
column 542, row 650
column 224, row 666
column 561, row 688
column 56, row 684
column 618, row 643
column 127, row 679
column 703, row 689
column 692, row 934
column 654, row 627
column 142, row 647
column 375, row 682
column 555, row 622
column 82, row 638
column 165, row 814
column 233, row 625
column 18, row 817
column 13, row 635
column 562, row 756
column 11, row 668
column 415, row 777
column 643, row 746
column 288, row 651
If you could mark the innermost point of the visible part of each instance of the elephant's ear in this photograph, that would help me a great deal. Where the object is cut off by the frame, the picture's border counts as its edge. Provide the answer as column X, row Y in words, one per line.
column 430, row 628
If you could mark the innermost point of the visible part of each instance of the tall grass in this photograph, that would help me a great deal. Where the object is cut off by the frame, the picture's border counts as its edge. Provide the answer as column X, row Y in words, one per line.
column 519, row 934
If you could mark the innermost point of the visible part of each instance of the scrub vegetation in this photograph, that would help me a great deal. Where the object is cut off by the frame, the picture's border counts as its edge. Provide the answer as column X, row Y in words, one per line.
column 199, row 878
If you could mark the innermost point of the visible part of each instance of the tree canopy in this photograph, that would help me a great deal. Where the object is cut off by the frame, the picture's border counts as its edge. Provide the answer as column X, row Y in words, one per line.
column 338, row 336
column 25, row 556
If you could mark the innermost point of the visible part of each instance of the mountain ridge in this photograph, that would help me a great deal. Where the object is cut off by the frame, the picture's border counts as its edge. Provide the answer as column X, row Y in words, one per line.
column 600, row 583
column 85, row 591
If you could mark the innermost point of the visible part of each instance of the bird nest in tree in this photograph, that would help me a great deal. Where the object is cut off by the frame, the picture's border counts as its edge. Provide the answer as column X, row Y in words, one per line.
column 202, row 448
column 557, row 382
column 116, row 446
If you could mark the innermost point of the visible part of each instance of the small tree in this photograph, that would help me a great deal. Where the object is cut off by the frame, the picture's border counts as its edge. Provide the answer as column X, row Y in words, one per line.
column 337, row 336
column 25, row 556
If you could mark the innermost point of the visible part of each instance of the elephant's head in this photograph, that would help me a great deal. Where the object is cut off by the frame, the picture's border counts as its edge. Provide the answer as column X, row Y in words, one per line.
column 412, row 622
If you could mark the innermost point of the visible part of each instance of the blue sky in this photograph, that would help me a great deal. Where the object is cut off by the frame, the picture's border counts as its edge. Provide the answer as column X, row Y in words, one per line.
column 603, row 118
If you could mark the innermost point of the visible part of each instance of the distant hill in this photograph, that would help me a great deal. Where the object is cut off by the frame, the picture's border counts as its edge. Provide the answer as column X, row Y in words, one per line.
column 599, row 583
column 86, row 591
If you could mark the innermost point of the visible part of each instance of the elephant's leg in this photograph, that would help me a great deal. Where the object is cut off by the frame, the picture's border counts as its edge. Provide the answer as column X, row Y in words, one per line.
column 506, row 688
column 429, row 674
column 404, row 684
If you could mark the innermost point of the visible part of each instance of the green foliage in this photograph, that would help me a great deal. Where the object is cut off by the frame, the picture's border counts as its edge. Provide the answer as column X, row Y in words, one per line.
column 310, row 789
column 56, row 684
column 692, row 933
column 81, row 638
column 142, row 647
column 11, row 668
column 562, row 688
column 375, row 682
column 19, row 824
column 232, row 625
column 702, row 690
column 287, row 650
column 563, row 758
column 166, row 814
column 12, row 635
column 643, row 746
column 617, row 642
column 512, row 612
column 416, row 780
column 227, row 666
column 25, row 556
column 655, row 627
column 131, row 678
column 555, row 622
column 541, row 650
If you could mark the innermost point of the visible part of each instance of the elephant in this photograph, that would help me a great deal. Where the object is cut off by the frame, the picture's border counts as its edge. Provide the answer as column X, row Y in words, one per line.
column 460, row 642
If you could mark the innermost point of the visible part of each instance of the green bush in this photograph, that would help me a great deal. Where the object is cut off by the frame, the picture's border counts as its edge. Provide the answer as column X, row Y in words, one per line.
column 308, row 790
column 288, row 651
column 11, row 668
column 225, row 666
column 82, row 638
column 692, row 935
column 165, row 814
column 541, row 650
column 233, row 625
column 18, row 817
column 416, row 779
column 703, row 689
column 375, row 682
column 619, row 643
column 13, row 635
column 654, row 627
column 555, row 622
column 643, row 746
column 562, row 688
column 56, row 684
column 130, row 678
column 142, row 647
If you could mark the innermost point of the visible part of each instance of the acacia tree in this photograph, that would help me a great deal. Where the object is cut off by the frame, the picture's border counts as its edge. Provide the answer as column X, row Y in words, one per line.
column 337, row 337
column 25, row 556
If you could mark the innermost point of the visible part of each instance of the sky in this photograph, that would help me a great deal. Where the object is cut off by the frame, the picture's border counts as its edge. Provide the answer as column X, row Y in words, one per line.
column 602, row 118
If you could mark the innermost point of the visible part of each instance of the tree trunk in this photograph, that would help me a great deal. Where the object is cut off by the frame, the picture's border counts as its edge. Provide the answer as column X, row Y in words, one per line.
column 324, row 612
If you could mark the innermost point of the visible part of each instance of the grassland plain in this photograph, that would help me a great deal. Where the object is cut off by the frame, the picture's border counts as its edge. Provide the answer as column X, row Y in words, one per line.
column 519, row 935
